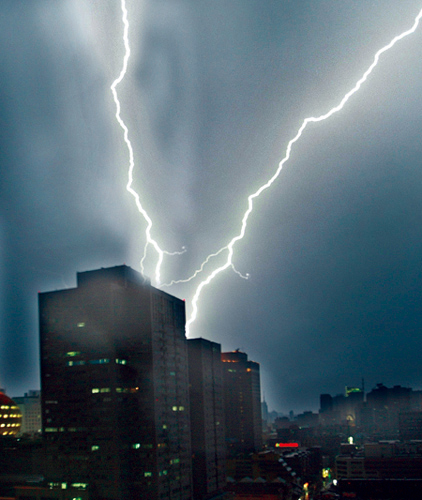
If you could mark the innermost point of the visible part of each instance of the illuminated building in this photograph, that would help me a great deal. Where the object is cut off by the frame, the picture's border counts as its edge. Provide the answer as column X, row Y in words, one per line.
column 242, row 397
column 30, row 407
column 207, row 417
column 115, row 393
column 10, row 416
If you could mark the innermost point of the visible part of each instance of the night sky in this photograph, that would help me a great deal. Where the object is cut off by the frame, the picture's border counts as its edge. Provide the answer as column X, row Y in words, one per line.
column 215, row 89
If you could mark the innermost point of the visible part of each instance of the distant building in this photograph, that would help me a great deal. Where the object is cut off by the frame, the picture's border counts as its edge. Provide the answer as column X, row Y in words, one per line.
column 114, row 386
column 30, row 407
column 410, row 425
column 10, row 416
column 382, row 460
column 242, row 396
column 384, row 404
column 207, row 418
column 342, row 408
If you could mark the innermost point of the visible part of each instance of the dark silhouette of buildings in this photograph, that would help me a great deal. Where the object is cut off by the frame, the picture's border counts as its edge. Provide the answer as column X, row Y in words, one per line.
column 242, row 397
column 115, row 391
column 207, row 417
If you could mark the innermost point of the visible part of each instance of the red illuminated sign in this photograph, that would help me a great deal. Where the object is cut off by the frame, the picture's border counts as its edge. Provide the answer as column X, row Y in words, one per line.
column 287, row 445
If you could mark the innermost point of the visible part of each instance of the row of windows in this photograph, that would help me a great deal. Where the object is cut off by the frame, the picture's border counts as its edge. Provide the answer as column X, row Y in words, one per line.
column 63, row 486
column 100, row 361
column 62, row 429
column 96, row 390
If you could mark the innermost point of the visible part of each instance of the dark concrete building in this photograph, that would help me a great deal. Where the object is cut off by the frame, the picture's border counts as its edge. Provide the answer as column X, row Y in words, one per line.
column 207, row 418
column 115, row 393
column 242, row 397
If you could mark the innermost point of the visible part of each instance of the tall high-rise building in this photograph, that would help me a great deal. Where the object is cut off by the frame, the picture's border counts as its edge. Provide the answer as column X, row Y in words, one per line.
column 207, row 417
column 115, row 390
column 242, row 397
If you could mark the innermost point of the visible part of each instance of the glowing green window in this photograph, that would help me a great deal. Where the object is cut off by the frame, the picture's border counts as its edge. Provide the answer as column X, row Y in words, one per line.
column 95, row 447
column 147, row 474
column 72, row 354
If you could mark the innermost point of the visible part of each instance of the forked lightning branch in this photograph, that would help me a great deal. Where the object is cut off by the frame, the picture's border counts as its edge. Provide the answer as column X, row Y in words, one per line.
column 230, row 247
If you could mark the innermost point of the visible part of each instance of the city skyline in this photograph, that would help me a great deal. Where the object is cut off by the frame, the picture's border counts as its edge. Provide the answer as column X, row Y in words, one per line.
column 333, row 251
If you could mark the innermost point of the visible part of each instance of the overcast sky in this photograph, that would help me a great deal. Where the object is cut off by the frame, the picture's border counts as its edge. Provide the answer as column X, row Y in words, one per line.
column 214, row 92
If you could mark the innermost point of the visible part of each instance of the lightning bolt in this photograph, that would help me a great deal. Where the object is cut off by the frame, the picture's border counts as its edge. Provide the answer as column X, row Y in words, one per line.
column 229, row 248
column 150, row 241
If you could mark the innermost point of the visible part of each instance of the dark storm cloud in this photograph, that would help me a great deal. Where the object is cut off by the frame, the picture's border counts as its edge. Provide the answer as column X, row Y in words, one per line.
column 59, row 210
column 215, row 90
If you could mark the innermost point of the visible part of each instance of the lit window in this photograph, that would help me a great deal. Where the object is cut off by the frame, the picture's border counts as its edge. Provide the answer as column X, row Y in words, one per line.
column 136, row 446
column 99, row 361
column 121, row 361
column 51, row 429
column 181, row 408
column 80, row 486
column 105, row 389
column 95, row 390
column 81, row 324
column 148, row 474
column 72, row 354
column 95, row 447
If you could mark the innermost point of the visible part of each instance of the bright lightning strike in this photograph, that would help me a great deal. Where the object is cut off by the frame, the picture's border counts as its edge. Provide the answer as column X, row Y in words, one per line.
column 149, row 239
column 230, row 247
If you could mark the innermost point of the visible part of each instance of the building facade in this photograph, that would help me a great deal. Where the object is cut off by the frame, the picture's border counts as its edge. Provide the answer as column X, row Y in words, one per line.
column 242, row 398
column 30, row 407
column 207, row 417
column 114, row 385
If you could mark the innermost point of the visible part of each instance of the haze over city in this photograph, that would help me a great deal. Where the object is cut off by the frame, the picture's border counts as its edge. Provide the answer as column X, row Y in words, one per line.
column 213, row 94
